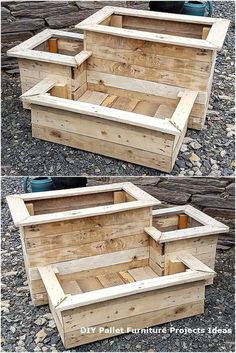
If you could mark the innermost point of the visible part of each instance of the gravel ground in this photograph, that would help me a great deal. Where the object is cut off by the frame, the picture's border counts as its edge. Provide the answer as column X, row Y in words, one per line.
column 21, row 322
column 206, row 152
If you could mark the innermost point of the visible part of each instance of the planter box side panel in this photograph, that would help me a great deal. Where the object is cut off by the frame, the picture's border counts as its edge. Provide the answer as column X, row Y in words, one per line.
column 113, row 139
column 204, row 248
column 167, row 64
column 32, row 72
column 58, row 242
column 136, row 311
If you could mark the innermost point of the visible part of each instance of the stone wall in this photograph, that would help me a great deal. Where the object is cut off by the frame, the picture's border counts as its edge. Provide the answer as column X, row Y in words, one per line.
column 22, row 19
column 214, row 196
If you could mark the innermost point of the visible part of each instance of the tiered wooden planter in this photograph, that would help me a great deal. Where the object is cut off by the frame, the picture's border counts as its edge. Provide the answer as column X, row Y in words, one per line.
column 93, row 255
column 140, row 81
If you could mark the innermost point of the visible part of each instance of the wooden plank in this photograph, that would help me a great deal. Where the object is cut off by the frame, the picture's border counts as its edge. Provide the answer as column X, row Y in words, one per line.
column 182, row 112
column 183, row 221
column 89, row 284
column 17, row 208
column 93, row 97
column 70, row 287
column 119, row 196
column 52, row 285
column 139, row 193
column 108, row 131
column 125, row 103
column 189, row 81
column 134, row 305
column 109, row 100
column 43, row 256
column 139, row 85
column 142, row 273
column 110, row 280
column 82, row 57
column 139, row 321
column 164, row 112
column 154, row 233
column 60, row 90
column 30, row 208
column 116, row 21
column 126, row 277
column 175, row 266
column 194, row 264
column 127, row 153
column 52, row 45
column 218, row 32
column 131, row 288
column 145, row 108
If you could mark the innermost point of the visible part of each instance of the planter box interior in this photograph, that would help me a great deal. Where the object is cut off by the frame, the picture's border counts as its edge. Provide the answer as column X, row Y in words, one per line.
column 169, row 49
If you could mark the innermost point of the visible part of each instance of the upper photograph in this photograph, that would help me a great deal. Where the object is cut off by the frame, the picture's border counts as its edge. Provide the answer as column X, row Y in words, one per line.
column 118, row 88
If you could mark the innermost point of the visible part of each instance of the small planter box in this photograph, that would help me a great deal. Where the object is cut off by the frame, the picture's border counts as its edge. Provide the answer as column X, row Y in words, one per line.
column 183, row 229
column 49, row 53
column 67, row 225
column 169, row 49
column 125, row 126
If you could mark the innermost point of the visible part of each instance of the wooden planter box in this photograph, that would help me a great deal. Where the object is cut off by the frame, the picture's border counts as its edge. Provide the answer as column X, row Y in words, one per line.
column 67, row 225
column 93, row 255
column 49, row 53
column 113, row 299
column 127, row 127
column 168, row 49
column 183, row 229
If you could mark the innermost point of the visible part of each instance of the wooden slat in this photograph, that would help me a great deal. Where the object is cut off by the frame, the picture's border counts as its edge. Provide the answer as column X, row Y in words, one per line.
column 194, row 264
column 93, row 97
column 70, row 287
column 126, row 276
column 52, row 285
column 142, row 273
column 89, row 284
column 109, row 101
column 125, row 103
column 17, row 208
column 110, row 280
column 154, row 233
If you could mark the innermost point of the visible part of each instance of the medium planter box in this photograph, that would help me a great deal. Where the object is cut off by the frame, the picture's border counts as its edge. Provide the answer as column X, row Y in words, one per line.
column 68, row 225
column 129, row 127
column 183, row 229
column 168, row 49
column 49, row 53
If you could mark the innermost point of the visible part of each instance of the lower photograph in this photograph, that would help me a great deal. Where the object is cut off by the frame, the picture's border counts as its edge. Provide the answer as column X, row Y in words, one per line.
column 100, row 264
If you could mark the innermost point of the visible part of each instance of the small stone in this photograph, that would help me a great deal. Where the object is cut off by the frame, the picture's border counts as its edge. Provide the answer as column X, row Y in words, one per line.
column 138, row 346
column 48, row 316
column 184, row 148
column 224, row 97
column 55, row 339
column 215, row 167
column 223, row 153
column 51, row 324
column 40, row 321
column 40, row 336
column 13, row 329
column 194, row 158
column 187, row 140
column 195, row 145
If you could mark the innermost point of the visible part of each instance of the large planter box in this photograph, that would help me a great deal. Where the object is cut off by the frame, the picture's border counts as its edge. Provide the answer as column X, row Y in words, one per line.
column 183, row 229
column 49, row 53
column 169, row 49
column 68, row 225
column 131, row 127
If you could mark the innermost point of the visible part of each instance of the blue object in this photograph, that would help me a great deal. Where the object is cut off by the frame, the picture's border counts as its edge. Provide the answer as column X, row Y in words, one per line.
column 38, row 184
column 198, row 8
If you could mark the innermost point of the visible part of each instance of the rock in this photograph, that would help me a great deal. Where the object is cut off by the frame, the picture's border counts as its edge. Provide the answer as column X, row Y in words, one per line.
column 40, row 336
column 187, row 140
column 183, row 148
column 40, row 321
column 22, row 25
column 13, row 329
column 51, row 324
column 5, row 13
column 43, row 11
column 195, row 145
column 67, row 20
column 224, row 97
column 180, row 163
column 15, row 37
column 216, row 201
column 194, row 158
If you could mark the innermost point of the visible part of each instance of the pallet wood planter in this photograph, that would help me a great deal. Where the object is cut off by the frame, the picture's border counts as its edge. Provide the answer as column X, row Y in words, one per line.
column 50, row 53
column 68, row 225
column 92, row 254
column 169, row 49
column 134, row 129
column 183, row 229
